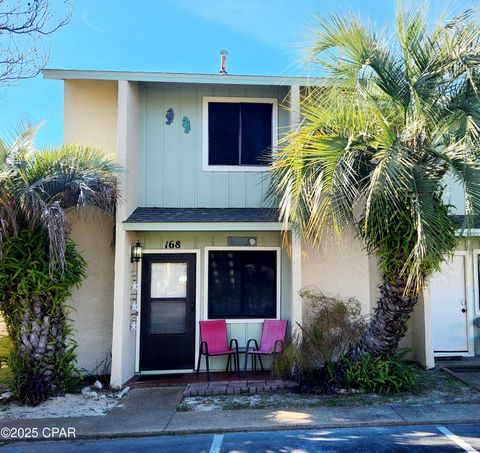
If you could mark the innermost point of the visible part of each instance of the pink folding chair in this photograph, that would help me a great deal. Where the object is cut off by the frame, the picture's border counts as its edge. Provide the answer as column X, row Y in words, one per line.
column 271, row 343
column 214, row 341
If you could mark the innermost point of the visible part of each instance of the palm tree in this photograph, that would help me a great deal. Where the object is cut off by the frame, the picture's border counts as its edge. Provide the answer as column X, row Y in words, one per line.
column 39, row 264
column 399, row 112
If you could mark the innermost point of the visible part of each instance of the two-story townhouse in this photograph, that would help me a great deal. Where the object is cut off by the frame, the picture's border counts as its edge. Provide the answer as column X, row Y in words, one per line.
column 192, row 147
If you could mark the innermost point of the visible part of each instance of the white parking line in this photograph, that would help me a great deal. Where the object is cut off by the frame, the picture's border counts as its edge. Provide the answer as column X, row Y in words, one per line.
column 217, row 443
column 457, row 440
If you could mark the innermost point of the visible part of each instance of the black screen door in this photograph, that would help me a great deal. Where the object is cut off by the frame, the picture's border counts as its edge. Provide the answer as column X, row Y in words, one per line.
column 167, row 335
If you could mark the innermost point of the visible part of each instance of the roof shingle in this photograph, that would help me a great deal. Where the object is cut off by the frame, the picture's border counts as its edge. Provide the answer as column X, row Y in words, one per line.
column 172, row 215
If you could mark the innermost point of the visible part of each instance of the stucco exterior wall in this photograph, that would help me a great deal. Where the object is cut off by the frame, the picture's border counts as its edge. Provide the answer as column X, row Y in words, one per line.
column 123, row 340
column 90, row 118
column 345, row 270
column 93, row 303
column 339, row 269
column 90, row 113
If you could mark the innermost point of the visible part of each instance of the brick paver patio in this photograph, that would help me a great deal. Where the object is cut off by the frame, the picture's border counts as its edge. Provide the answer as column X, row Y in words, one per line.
column 236, row 387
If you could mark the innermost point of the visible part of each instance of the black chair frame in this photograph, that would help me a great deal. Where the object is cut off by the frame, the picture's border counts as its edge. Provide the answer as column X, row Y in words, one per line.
column 249, row 348
column 204, row 351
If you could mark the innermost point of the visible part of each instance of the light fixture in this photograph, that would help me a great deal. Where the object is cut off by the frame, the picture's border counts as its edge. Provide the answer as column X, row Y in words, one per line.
column 136, row 254
column 241, row 241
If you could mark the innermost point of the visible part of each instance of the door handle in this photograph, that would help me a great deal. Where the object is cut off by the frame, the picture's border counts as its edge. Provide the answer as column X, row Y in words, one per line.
column 192, row 306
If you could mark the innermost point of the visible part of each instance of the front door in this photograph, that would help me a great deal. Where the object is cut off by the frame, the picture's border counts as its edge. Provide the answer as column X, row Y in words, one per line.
column 167, row 331
column 449, row 308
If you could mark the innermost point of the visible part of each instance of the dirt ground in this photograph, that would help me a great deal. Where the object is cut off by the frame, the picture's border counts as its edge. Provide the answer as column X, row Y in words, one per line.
column 433, row 386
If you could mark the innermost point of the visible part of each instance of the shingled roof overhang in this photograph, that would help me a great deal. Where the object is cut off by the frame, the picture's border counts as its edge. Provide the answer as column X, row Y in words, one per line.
column 205, row 219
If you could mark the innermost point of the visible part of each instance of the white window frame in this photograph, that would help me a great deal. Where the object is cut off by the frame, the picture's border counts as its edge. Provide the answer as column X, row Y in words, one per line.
column 237, row 249
column 236, row 100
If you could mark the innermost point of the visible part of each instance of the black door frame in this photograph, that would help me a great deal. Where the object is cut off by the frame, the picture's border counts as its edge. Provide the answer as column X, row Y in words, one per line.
column 196, row 253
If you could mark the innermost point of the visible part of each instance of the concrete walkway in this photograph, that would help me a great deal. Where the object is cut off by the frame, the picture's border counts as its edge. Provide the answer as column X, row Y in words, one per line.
column 468, row 375
column 146, row 412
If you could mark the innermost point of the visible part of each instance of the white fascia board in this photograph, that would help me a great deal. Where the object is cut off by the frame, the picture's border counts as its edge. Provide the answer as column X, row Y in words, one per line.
column 468, row 232
column 166, row 77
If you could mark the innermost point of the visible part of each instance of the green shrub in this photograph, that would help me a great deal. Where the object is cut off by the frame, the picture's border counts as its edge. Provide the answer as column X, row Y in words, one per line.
column 379, row 375
column 33, row 302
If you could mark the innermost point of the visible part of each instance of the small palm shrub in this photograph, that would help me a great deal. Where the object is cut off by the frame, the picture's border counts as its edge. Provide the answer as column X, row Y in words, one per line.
column 379, row 375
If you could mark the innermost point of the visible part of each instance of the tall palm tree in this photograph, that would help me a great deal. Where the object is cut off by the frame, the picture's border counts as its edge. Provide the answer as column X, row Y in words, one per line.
column 398, row 114
column 39, row 264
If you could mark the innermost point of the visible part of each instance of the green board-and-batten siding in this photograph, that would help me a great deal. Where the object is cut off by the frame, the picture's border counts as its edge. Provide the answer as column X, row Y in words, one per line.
column 171, row 172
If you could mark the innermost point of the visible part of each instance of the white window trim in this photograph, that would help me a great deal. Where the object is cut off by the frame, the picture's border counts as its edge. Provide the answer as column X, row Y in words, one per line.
column 235, row 249
column 236, row 168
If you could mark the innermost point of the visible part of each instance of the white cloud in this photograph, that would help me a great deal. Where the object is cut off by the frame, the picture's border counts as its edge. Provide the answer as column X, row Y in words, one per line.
column 89, row 24
column 267, row 21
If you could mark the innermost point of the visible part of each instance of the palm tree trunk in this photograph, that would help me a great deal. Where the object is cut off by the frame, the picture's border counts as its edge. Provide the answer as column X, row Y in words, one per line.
column 40, row 345
column 388, row 324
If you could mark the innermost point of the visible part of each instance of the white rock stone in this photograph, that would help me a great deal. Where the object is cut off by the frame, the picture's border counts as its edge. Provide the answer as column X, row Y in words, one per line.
column 122, row 393
column 87, row 392
column 6, row 395
column 98, row 385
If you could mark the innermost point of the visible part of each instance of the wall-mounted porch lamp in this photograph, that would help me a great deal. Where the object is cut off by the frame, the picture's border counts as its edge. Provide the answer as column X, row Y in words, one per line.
column 136, row 254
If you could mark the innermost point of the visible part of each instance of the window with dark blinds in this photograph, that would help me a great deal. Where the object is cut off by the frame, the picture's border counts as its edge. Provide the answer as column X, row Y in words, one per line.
column 242, row 284
column 239, row 133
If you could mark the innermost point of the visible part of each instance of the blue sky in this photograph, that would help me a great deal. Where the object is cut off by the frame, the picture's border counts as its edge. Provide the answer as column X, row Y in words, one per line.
column 262, row 37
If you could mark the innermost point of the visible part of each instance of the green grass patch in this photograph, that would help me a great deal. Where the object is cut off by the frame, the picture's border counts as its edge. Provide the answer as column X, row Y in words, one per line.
column 6, row 377
column 5, row 346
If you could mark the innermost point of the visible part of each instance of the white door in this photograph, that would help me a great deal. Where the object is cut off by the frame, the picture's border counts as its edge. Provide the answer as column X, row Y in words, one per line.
column 449, row 308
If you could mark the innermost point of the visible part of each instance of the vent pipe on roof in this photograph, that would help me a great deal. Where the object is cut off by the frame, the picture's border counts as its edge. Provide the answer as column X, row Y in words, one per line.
column 223, row 62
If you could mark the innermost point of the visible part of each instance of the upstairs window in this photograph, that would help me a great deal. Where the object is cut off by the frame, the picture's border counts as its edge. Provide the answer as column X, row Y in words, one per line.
column 238, row 133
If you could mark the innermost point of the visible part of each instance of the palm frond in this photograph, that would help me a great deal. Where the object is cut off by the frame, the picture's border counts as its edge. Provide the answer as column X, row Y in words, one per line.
column 399, row 113
column 38, row 188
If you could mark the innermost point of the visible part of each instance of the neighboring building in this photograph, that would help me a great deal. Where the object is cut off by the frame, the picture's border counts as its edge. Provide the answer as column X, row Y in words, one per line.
column 209, row 248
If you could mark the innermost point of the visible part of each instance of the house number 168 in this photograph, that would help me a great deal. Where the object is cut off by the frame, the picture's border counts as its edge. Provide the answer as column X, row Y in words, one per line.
column 173, row 244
